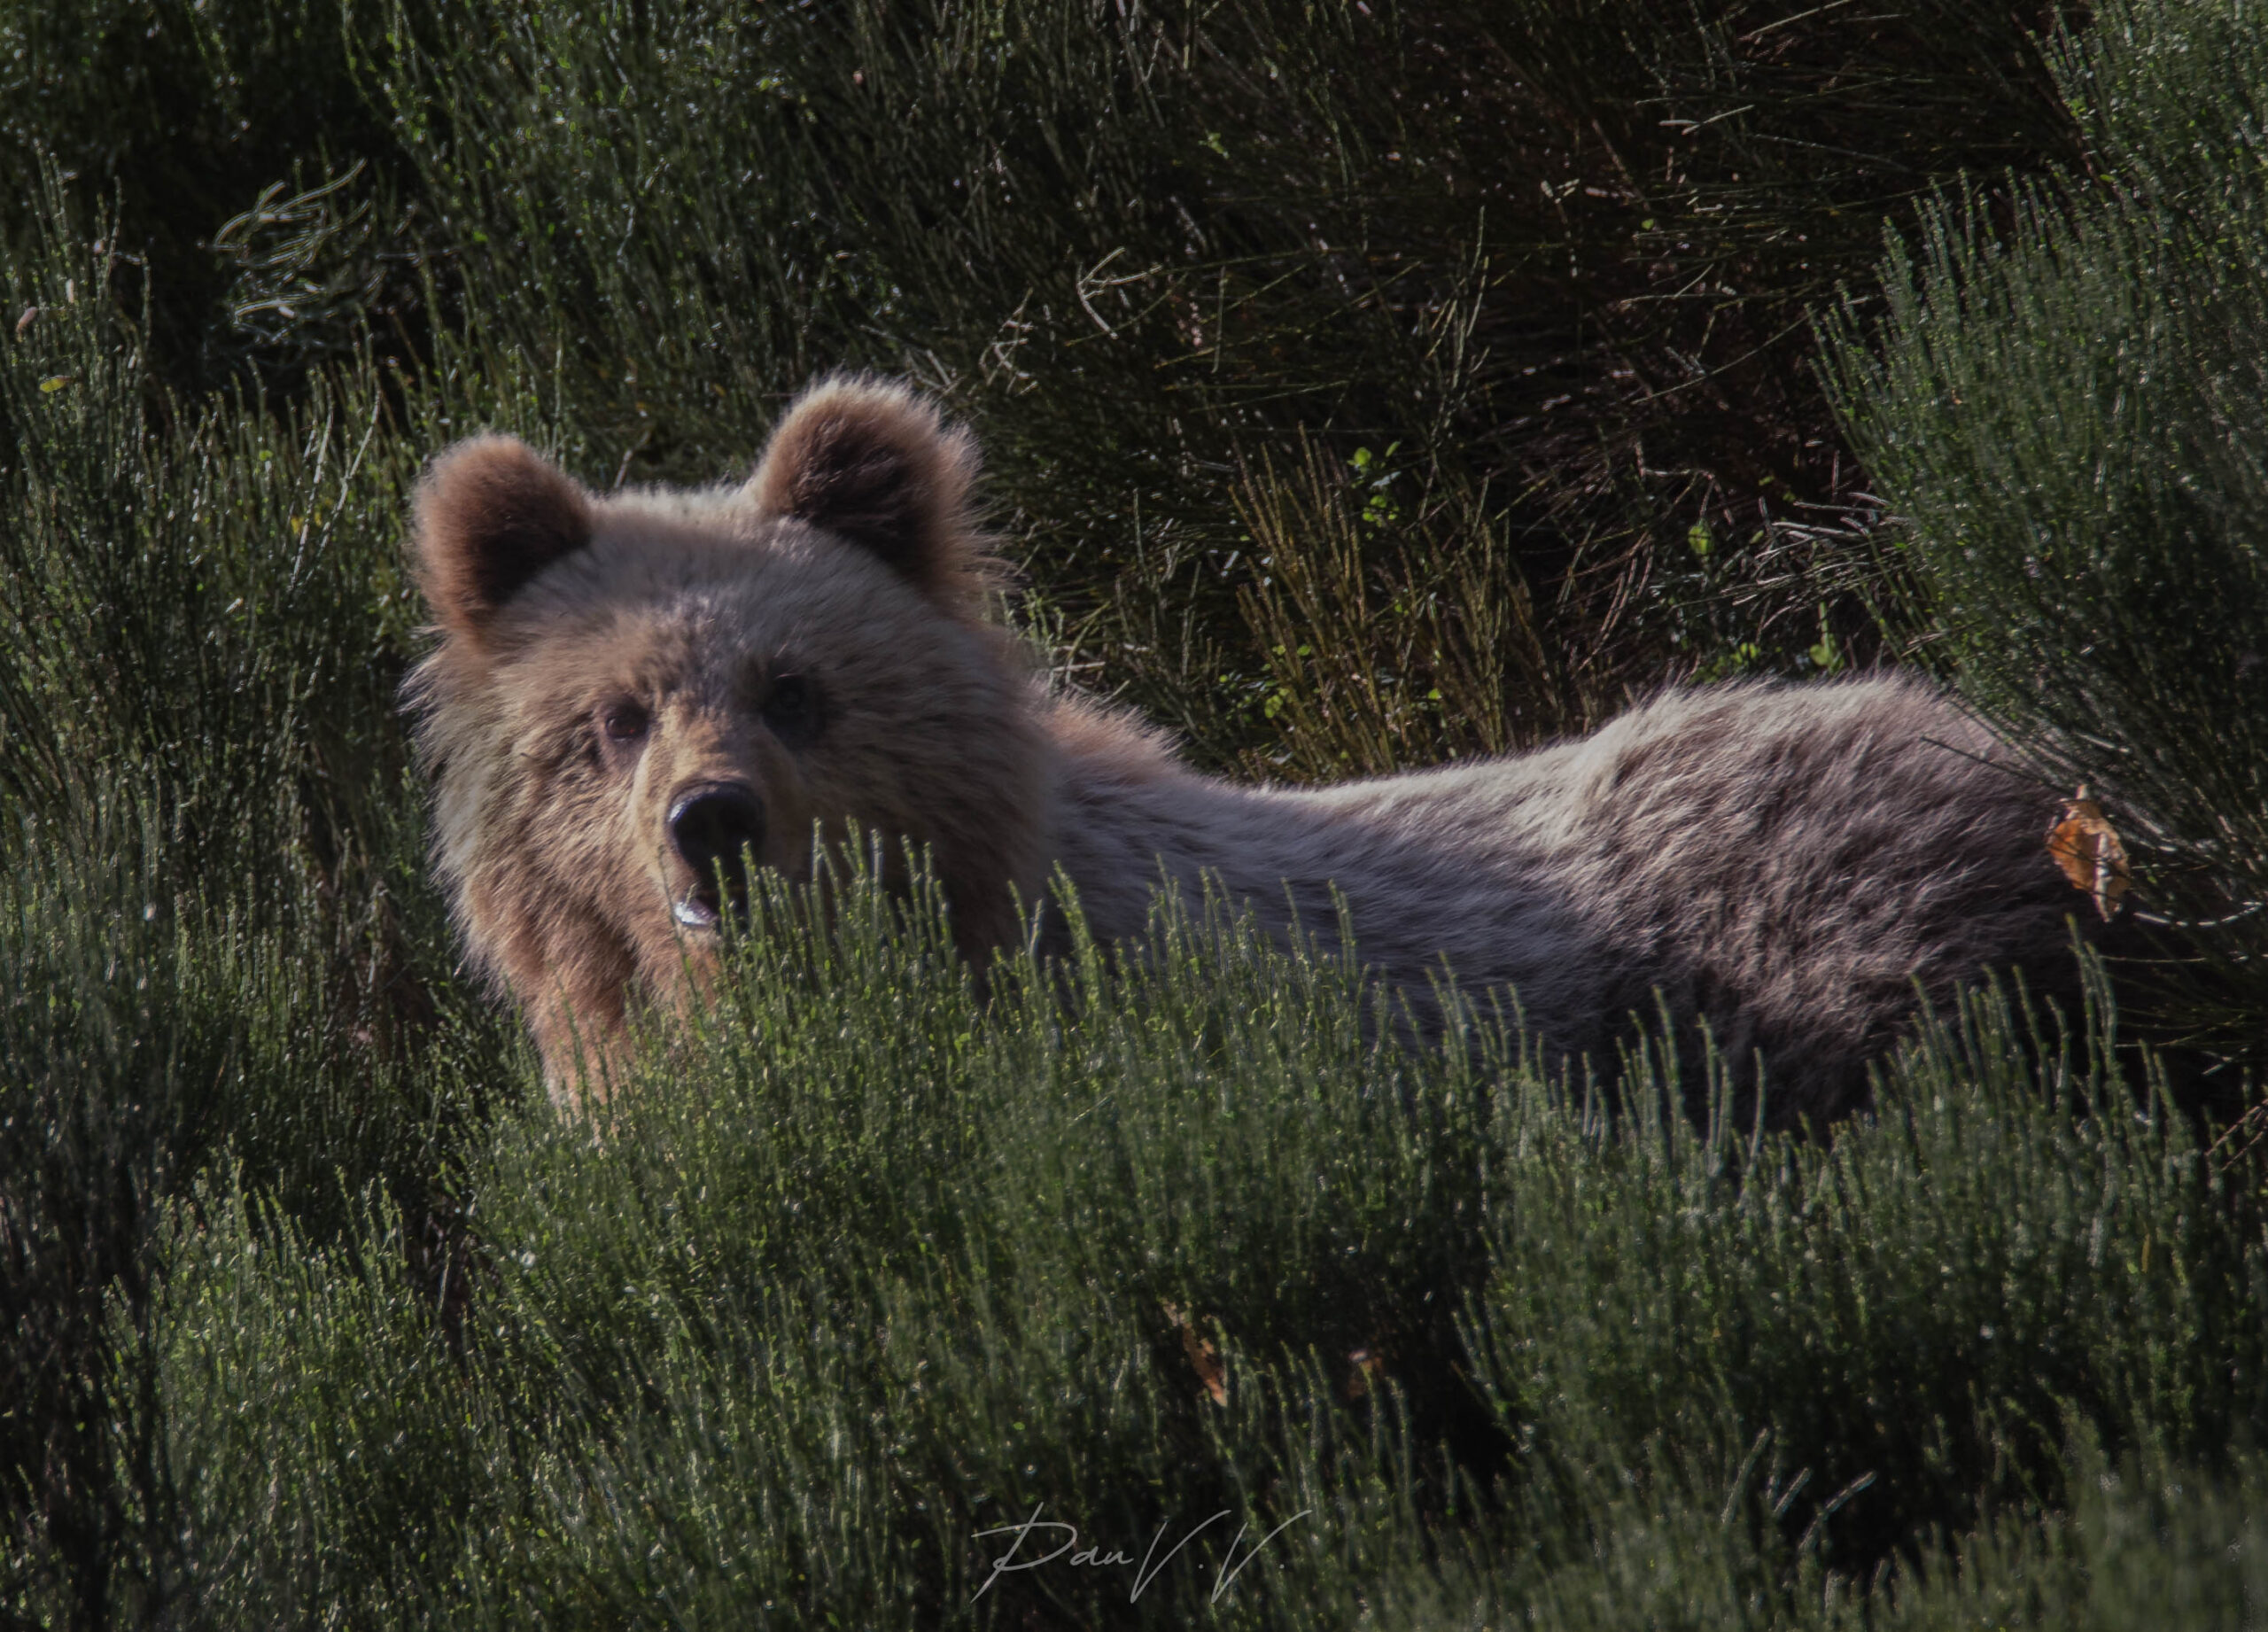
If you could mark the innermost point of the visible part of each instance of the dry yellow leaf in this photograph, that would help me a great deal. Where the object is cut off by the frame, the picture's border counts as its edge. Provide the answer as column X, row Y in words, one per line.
column 1365, row 1370
column 2086, row 847
column 1204, row 1359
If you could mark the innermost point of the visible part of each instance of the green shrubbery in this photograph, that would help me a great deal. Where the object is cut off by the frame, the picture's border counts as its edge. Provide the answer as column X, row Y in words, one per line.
column 1557, row 257
column 1363, row 386
column 2071, row 425
column 861, row 1271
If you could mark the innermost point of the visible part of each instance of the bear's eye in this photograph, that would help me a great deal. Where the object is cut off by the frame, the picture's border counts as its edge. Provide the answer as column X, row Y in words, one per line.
column 791, row 708
column 624, row 722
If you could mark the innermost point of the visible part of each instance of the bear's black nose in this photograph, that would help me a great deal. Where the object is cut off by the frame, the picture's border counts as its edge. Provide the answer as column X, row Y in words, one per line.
column 710, row 823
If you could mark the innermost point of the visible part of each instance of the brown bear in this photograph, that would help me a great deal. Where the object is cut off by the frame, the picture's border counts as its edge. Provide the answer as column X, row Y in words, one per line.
column 631, row 691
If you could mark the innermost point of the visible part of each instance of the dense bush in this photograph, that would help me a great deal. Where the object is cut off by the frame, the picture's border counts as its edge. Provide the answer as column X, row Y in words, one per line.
column 1363, row 385
column 861, row 1273
column 1545, row 266
column 2070, row 425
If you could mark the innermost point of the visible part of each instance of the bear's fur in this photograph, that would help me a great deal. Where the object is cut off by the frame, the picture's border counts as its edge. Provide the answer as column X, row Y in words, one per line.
column 620, row 680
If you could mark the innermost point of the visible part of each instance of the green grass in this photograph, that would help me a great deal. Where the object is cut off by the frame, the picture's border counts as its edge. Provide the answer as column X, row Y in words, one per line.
column 1560, row 256
column 1371, row 451
column 2069, row 424
column 862, row 1271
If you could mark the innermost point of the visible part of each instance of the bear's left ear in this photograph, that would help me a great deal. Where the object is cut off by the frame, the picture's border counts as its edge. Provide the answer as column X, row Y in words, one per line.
column 492, row 513
column 873, row 464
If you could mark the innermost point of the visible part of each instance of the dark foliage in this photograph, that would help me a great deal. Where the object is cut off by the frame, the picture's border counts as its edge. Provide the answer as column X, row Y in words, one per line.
column 1364, row 385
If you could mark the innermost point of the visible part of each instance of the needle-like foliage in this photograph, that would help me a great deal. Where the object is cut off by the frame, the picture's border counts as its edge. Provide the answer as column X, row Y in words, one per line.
column 1365, row 385
column 2069, row 418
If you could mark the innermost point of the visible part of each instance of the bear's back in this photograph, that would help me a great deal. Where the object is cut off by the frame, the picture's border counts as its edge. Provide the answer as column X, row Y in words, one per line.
column 1792, row 866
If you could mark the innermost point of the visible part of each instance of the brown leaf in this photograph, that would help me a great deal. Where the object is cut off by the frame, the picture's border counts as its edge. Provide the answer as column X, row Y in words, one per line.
column 2087, row 848
column 30, row 316
column 1366, row 1368
column 1204, row 1359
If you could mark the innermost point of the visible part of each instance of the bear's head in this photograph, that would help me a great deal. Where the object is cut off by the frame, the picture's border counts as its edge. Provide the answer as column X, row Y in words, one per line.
column 632, row 693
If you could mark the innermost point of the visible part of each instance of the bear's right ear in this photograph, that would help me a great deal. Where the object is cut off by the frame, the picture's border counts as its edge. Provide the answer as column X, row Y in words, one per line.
column 492, row 513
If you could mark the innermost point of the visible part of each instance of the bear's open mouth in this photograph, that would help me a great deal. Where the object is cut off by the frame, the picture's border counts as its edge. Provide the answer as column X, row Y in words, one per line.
column 697, row 910
column 703, row 906
column 705, row 903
